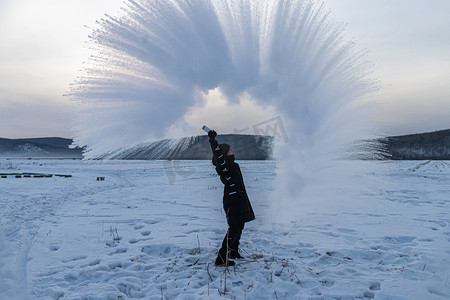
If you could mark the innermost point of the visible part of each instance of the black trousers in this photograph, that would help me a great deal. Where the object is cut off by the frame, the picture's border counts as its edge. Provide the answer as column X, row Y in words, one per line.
column 230, row 243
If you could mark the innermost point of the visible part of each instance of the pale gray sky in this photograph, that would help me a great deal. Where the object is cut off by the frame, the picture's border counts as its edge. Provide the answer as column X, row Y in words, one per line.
column 409, row 43
column 42, row 49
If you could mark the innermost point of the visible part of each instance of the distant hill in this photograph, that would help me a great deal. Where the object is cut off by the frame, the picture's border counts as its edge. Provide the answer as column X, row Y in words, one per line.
column 246, row 147
column 423, row 146
column 52, row 147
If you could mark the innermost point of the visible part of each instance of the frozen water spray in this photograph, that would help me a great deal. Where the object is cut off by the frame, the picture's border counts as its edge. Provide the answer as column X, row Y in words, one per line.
column 151, row 62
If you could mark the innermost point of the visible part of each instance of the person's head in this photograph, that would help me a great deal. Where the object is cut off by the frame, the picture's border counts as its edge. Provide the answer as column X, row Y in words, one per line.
column 226, row 150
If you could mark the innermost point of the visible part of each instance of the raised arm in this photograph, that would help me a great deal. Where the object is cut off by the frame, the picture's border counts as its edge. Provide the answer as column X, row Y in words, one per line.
column 218, row 155
column 212, row 140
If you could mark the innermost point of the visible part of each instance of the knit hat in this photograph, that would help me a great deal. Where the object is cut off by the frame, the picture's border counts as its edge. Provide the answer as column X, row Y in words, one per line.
column 224, row 148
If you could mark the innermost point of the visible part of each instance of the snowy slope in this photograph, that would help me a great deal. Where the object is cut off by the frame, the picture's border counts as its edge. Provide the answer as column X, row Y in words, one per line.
column 49, row 148
column 430, row 145
column 150, row 231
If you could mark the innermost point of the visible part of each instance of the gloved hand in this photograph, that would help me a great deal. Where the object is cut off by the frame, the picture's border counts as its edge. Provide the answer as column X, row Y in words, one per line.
column 212, row 135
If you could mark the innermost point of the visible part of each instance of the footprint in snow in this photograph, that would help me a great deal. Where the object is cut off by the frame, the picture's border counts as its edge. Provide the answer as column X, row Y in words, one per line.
column 157, row 250
column 116, row 265
column 146, row 233
column 92, row 263
column 54, row 248
column 70, row 277
column 426, row 240
column 74, row 259
column 347, row 231
column 375, row 286
column 439, row 291
column 119, row 251
column 332, row 234
column 400, row 239
column 440, row 223
column 152, row 222
column 327, row 282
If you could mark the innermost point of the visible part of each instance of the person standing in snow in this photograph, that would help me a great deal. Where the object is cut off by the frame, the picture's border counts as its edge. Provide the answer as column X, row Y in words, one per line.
column 235, row 200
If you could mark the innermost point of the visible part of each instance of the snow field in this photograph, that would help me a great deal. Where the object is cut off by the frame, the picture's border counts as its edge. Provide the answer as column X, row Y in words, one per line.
column 151, row 230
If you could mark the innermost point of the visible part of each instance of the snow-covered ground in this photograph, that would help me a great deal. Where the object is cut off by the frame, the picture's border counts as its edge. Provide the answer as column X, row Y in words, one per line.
column 151, row 228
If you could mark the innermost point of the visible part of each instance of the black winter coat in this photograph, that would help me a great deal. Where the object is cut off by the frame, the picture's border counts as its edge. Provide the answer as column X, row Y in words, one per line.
column 235, row 199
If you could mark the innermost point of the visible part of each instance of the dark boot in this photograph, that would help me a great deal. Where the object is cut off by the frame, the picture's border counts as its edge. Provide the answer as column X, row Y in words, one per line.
column 221, row 261
column 235, row 255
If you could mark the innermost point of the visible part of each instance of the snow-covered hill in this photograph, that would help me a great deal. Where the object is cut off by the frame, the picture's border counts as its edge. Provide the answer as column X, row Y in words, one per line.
column 430, row 145
column 424, row 146
column 248, row 147
column 38, row 148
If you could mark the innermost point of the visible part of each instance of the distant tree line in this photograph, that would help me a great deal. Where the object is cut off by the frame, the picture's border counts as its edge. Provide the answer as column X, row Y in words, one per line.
column 424, row 146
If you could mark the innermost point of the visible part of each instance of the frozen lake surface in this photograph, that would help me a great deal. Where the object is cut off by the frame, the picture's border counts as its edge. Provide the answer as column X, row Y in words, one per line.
column 150, row 230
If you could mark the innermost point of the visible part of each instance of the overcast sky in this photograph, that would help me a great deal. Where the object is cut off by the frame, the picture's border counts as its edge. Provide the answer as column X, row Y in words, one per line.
column 42, row 49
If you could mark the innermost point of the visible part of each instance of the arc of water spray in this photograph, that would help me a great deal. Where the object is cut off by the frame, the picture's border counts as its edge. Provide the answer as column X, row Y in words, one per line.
column 150, row 61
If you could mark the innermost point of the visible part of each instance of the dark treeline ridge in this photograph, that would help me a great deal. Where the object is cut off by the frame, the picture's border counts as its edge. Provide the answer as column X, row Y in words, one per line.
column 48, row 147
column 422, row 146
